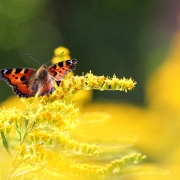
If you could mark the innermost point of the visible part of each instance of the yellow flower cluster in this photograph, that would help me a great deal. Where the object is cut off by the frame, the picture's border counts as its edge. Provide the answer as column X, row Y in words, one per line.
column 89, row 82
column 8, row 119
column 43, row 137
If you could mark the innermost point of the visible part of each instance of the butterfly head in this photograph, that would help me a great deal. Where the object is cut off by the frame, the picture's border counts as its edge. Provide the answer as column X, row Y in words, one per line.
column 42, row 72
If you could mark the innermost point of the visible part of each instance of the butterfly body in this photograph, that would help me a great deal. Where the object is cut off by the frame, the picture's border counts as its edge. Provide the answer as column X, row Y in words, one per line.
column 27, row 82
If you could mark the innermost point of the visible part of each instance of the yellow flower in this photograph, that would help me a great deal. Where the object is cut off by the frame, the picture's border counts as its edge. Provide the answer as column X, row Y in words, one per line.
column 54, row 140
column 60, row 54
column 22, row 149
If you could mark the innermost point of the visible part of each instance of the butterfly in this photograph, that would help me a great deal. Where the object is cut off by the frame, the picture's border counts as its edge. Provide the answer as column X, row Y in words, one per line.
column 29, row 82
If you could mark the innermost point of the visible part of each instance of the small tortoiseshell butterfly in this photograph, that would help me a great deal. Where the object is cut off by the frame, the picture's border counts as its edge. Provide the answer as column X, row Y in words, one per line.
column 27, row 82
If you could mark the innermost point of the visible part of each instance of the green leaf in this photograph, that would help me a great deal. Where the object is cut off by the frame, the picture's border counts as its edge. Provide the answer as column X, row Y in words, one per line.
column 18, row 131
column 5, row 143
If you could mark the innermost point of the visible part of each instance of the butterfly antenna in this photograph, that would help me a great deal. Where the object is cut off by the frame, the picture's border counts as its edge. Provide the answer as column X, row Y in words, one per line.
column 48, row 61
column 34, row 59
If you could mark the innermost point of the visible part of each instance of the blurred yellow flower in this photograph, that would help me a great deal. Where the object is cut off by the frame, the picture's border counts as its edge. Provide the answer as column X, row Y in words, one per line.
column 166, row 77
column 60, row 54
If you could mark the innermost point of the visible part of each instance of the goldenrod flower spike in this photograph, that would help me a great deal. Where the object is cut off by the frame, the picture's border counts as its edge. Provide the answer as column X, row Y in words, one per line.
column 127, row 160
column 42, row 138
column 89, row 82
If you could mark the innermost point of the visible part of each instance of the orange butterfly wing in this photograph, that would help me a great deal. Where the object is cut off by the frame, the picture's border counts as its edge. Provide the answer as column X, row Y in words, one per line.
column 26, row 82
column 59, row 70
column 17, row 78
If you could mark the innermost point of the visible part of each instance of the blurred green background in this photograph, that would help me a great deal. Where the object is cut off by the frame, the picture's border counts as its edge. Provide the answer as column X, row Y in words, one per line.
column 128, row 38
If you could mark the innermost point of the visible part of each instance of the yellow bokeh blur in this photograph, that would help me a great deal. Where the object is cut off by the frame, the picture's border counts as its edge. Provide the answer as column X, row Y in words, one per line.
column 156, row 127
column 154, row 130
